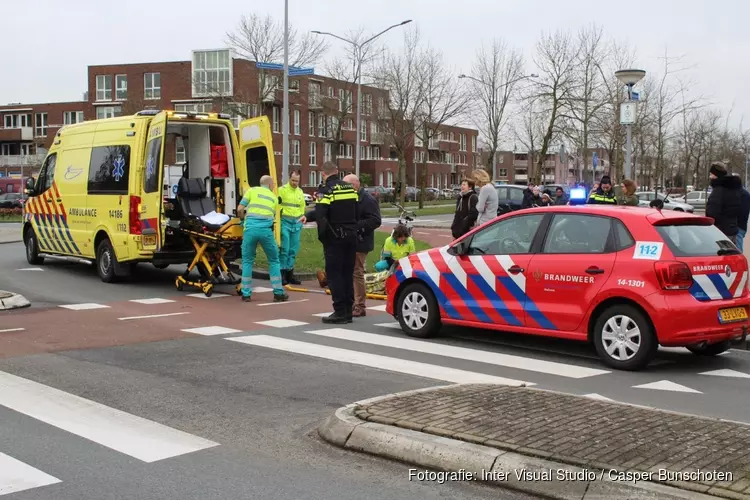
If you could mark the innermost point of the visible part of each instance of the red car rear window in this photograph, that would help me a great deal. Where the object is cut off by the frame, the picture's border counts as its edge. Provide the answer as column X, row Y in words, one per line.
column 696, row 241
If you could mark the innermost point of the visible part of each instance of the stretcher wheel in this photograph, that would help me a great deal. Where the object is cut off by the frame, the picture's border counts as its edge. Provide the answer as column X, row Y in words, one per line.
column 208, row 290
column 178, row 285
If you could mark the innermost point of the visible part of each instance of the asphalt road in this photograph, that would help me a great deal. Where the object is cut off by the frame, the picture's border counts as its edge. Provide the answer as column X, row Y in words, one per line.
column 223, row 419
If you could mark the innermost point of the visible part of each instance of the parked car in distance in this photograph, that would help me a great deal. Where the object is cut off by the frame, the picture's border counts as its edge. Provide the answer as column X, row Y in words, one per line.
column 697, row 199
column 11, row 200
column 509, row 198
column 644, row 199
column 449, row 194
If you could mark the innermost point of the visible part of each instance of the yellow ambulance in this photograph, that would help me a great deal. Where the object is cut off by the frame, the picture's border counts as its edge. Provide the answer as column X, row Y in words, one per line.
column 106, row 188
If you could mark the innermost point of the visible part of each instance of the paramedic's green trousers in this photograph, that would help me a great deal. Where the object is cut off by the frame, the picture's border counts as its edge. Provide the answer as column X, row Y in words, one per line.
column 263, row 236
column 291, row 230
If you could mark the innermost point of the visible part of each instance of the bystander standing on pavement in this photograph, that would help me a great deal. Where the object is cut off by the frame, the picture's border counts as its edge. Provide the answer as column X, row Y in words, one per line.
column 628, row 196
column 742, row 219
column 725, row 201
column 604, row 195
column 336, row 214
column 466, row 209
column 292, row 202
column 560, row 198
column 487, row 201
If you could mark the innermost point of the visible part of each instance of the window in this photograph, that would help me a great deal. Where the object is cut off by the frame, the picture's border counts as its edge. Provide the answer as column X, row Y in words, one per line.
column 295, row 153
column 342, row 150
column 109, row 170
column 212, row 73
column 71, row 117
column 103, row 87
column 693, row 196
column 573, row 233
column 363, row 130
column 41, row 125
column 313, row 153
column 375, row 152
column 46, row 175
column 345, row 101
column 462, row 142
column 276, row 119
column 367, row 104
column 381, row 107
column 624, row 238
column 474, row 144
column 153, row 163
column 314, row 94
column 502, row 172
column 331, row 92
column 389, row 174
column 509, row 236
column 296, row 122
column 312, row 178
column 380, row 179
column 516, row 195
column 321, row 126
column 107, row 112
column 311, row 124
column 10, row 121
column 195, row 107
column 327, row 148
column 152, row 86
column 696, row 241
column 253, row 110
column 179, row 153
column 121, row 87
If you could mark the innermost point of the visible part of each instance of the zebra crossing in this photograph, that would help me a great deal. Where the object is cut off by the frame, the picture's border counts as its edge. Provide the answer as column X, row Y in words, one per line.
column 122, row 432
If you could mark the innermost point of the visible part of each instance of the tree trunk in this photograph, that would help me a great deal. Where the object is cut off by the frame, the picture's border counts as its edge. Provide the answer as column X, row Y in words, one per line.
column 401, row 178
column 423, row 179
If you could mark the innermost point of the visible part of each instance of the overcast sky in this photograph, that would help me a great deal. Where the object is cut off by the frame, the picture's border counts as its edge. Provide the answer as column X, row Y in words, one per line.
column 47, row 44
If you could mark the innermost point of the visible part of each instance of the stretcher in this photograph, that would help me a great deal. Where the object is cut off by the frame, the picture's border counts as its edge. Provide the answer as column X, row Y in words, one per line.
column 213, row 236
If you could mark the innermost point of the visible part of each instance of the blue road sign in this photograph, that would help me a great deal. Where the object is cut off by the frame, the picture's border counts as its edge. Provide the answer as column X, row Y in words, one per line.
column 595, row 159
column 301, row 71
column 260, row 65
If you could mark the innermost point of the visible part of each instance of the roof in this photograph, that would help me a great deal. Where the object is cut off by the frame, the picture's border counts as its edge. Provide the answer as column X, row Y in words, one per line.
column 621, row 212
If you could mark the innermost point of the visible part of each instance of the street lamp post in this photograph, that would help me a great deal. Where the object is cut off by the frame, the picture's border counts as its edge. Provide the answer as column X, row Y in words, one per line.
column 285, row 118
column 629, row 77
column 357, row 77
column 525, row 77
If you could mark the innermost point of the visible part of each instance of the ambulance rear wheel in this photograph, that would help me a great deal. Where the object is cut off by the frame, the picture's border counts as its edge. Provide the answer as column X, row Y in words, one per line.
column 106, row 261
column 32, row 248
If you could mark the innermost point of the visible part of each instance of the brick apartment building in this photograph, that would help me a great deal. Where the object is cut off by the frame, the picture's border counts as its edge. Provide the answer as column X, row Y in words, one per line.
column 513, row 167
column 322, row 121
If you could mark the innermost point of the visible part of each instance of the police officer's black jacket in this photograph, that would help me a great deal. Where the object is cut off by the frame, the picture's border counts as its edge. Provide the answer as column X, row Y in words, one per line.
column 724, row 203
column 369, row 221
column 336, row 212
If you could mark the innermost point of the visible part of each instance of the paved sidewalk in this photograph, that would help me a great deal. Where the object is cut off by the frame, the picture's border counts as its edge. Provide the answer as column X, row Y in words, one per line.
column 10, row 232
column 582, row 432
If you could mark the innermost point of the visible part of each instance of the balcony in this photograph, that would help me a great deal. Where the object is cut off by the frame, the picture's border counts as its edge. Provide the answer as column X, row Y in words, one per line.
column 16, row 134
column 21, row 160
column 315, row 101
column 434, row 143
column 378, row 138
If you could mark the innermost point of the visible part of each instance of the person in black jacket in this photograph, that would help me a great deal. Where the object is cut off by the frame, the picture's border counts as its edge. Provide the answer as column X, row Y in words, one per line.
column 466, row 210
column 725, row 201
column 742, row 220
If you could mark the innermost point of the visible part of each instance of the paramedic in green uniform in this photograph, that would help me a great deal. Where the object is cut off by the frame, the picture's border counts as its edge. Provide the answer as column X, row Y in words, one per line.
column 292, row 201
column 258, row 208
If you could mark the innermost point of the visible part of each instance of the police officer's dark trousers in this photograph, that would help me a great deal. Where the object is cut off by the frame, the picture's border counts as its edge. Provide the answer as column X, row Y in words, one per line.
column 340, row 255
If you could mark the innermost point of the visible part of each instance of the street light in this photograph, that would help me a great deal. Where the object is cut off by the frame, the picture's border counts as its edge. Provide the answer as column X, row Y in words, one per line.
column 358, row 56
column 629, row 77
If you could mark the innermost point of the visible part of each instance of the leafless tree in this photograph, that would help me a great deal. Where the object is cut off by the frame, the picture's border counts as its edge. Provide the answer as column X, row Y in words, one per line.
column 496, row 72
column 529, row 131
column 400, row 74
column 443, row 99
column 555, row 58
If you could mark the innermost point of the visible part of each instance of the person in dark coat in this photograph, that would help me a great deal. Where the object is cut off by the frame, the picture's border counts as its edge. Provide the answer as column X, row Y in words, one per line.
column 466, row 210
column 742, row 220
column 725, row 201
column 560, row 198
column 604, row 194
column 369, row 220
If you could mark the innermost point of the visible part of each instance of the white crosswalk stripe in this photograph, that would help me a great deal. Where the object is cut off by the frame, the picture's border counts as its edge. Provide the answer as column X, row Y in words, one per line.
column 137, row 437
column 376, row 361
column 493, row 358
column 17, row 476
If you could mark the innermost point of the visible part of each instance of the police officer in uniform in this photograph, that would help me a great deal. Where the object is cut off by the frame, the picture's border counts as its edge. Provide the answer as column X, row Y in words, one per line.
column 258, row 208
column 292, row 202
column 336, row 213
column 604, row 194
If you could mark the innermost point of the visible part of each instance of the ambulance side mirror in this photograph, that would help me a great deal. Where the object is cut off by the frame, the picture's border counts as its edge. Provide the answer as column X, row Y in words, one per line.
column 30, row 185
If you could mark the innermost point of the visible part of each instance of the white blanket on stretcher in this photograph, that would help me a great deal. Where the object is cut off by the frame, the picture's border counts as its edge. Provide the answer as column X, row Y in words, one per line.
column 215, row 219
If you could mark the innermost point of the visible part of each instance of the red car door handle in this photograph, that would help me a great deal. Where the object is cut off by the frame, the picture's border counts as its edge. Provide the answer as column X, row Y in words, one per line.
column 594, row 270
column 515, row 269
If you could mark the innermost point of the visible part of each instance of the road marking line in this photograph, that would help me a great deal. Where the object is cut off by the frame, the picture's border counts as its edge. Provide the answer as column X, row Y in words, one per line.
column 153, row 316
column 376, row 361
column 152, row 301
column 281, row 323
column 262, row 289
column 377, row 308
column 725, row 372
column 84, row 307
column 137, row 437
column 213, row 296
column 282, row 303
column 395, row 326
column 596, row 396
column 211, row 330
column 666, row 385
column 445, row 235
column 17, row 476
column 322, row 315
column 12, row 330
column 476, row 355
column 420, row 232
column 30, row 269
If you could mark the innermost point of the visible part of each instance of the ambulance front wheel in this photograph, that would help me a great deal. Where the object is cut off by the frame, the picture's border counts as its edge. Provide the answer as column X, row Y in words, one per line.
column 32, row 248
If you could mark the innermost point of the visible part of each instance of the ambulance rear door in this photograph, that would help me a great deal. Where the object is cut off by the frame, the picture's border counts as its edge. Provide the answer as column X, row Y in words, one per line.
column 257, row 159
column 150, row 201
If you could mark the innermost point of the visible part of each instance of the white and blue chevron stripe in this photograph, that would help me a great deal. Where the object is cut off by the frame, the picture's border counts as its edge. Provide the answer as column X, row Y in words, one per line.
column 717, row 286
